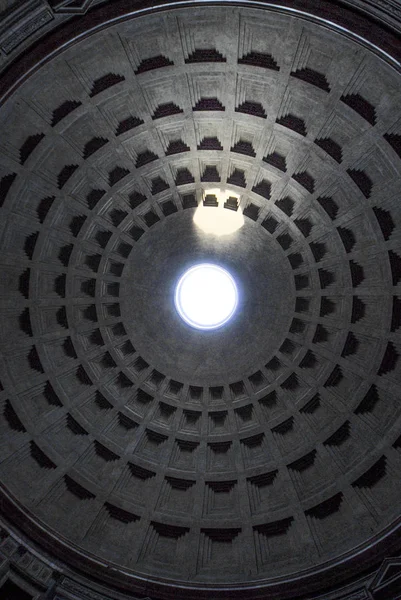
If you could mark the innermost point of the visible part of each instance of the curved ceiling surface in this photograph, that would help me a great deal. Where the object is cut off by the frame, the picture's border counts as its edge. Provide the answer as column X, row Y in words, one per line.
column 260, row 450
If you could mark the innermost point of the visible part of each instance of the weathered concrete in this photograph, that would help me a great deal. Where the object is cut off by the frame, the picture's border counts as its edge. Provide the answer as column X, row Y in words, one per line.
column 225, row 458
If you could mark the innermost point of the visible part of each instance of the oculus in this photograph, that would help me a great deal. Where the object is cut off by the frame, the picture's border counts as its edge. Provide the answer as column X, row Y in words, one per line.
column 206, row 296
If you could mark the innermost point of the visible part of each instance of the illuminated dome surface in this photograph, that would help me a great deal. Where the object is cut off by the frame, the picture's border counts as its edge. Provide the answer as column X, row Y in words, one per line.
column 206, row 296
column 262, row 458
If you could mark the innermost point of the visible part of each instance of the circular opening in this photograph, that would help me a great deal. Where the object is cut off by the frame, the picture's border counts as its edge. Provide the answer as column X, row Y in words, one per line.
column 206, row 296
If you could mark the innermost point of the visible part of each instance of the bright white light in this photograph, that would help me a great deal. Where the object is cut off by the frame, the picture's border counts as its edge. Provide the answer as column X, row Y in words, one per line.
column 206, row 296
column 218, row 220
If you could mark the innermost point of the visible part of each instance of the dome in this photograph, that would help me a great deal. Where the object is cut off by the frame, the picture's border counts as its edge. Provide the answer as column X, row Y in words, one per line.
column 253, row 456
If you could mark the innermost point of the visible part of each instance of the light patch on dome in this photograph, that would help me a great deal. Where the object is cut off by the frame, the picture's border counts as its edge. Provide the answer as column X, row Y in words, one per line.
column 219, row 220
